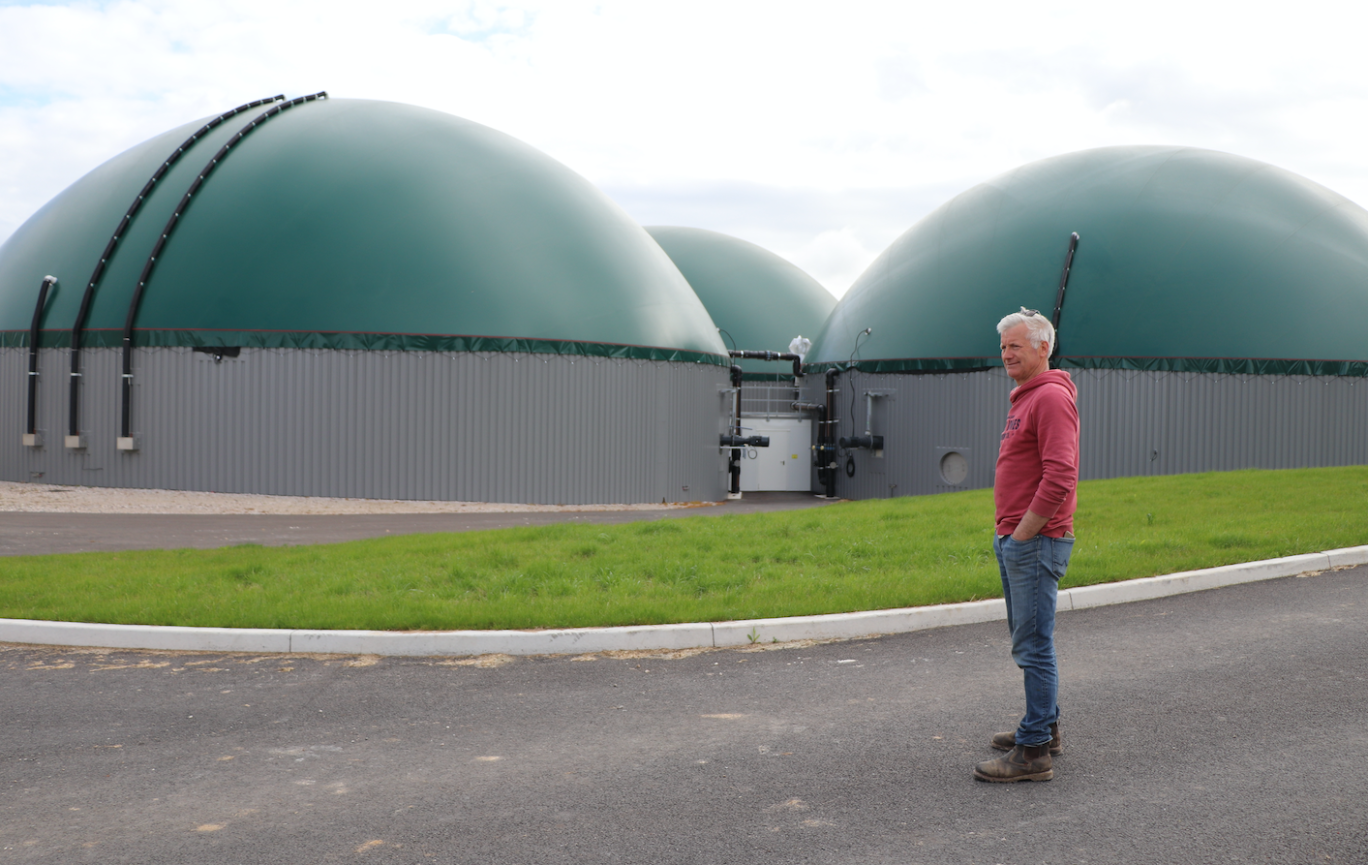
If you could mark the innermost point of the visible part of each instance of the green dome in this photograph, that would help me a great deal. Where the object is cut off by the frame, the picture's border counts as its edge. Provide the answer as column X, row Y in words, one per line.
column 1188, row 259
column 761, row 300
column 350, row 223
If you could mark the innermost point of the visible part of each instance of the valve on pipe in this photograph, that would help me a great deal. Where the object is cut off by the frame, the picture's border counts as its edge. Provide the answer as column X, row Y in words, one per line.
column 735, row 441
column 868, row 440
column 872, row 442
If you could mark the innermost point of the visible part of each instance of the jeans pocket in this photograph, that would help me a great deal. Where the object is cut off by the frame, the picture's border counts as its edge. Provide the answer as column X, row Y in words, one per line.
column 1020, row 551
column 1062, row 548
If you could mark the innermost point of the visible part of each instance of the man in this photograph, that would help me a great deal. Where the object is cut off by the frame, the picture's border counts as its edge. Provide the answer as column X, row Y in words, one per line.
column 1035, row 492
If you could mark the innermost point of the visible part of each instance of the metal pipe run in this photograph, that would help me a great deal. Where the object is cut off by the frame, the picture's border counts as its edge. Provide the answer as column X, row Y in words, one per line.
column 868, row 440
column 772, row 355
column 738, row 441
column 871, row 442
column 734, row 459
column 824, row 452
column 826, row 472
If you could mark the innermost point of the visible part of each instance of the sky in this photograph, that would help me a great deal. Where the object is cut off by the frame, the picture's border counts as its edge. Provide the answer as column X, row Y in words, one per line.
column 820, row 131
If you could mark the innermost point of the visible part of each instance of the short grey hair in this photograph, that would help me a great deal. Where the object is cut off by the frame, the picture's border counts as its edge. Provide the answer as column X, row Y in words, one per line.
column 1038, row 327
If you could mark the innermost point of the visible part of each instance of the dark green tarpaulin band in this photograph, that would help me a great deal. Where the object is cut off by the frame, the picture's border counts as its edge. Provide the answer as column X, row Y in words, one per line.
column 1222, row 365
column 110, row 338
column 910, row 365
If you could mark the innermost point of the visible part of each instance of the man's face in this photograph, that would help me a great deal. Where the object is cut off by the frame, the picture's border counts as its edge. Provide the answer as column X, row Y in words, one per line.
column 1023, row 358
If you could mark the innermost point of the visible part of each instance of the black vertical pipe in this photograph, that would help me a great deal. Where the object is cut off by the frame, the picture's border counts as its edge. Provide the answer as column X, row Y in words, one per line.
column 820, row 452
column 48, row 282
column 1059, row 296
column 73, row 412
column 823, row 455
column 735, row 463
column 828, row 445
column 124, row 414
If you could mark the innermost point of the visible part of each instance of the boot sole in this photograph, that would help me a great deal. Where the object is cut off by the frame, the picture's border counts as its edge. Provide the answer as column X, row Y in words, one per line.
column 1039, row 776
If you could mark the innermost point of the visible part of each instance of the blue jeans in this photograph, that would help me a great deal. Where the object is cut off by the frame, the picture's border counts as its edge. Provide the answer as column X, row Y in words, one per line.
column 1031, row 571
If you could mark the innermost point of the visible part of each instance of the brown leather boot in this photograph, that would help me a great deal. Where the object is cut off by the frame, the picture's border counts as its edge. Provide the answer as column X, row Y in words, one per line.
column 1024, row 763
column 1007, row 741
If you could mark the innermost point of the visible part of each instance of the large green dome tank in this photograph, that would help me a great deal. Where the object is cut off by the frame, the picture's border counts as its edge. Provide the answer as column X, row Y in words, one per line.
column 335, row 297
column 759, row 299
column 348, row 223
column 1188, row 259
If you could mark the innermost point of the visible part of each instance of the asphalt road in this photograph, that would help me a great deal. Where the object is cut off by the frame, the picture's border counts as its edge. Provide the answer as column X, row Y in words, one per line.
column 23, row 534
column 1223, row 726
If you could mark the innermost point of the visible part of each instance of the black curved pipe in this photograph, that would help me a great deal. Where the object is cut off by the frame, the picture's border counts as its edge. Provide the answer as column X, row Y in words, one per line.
column 1059, row 296
column 73, row 416
column 48, row 282
column 166, row 234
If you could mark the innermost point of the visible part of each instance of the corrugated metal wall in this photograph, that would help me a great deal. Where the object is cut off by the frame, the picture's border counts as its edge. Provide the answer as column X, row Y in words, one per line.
column 552, row 429
column 920, row 418
column 1143, row 423
column 1133, row 423
column 497, row 427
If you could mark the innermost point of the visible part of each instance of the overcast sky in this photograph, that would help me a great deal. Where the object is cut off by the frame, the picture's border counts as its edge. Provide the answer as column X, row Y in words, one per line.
column 821, row 131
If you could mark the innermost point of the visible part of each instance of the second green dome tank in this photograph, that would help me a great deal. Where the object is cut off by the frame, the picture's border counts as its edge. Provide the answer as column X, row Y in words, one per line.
column 761, row 301
column 1188, row 259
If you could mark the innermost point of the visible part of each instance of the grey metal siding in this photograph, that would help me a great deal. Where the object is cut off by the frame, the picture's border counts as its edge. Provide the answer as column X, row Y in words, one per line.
column 1133, row 423
column 920, row 417
column 406, row 425
column 1142, row 423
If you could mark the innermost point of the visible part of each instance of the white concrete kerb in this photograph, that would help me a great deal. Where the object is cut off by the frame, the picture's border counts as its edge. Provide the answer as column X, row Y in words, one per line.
column 648, row 637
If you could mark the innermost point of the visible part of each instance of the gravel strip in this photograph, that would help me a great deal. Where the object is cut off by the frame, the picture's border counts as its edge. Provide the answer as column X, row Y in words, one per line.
column 51, row 498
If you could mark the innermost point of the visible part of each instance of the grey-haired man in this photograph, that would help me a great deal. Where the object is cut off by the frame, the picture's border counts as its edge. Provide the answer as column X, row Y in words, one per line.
column 1035, row 493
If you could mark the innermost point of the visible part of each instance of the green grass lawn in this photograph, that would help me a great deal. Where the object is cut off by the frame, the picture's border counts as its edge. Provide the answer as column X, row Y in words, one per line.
column 851, row 556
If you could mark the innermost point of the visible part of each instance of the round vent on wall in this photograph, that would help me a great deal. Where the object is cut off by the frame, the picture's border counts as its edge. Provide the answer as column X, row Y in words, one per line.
column 954, row 468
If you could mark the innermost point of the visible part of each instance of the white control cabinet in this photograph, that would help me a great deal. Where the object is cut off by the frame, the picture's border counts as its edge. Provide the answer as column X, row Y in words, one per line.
column 786, row 464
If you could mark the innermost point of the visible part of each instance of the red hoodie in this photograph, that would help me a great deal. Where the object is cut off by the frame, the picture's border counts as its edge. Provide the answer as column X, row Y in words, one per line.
column 1037, row 466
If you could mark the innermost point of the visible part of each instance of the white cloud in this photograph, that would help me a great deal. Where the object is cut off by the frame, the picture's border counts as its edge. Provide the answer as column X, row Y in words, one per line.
column 819, row 131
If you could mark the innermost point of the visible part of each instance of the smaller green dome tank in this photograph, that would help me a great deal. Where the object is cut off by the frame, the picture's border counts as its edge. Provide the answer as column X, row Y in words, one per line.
column 761, row 300
column 356, row 224
column 1188, row 259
